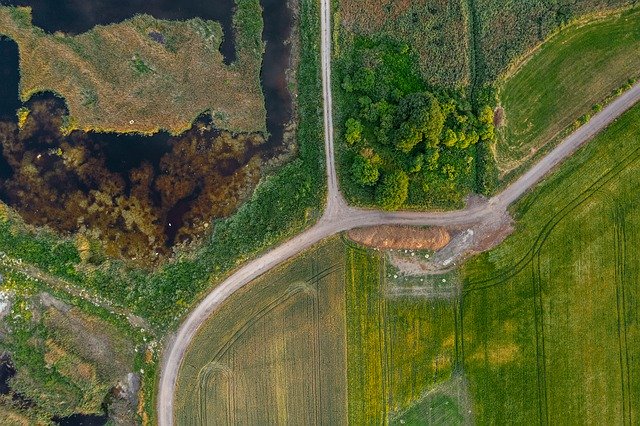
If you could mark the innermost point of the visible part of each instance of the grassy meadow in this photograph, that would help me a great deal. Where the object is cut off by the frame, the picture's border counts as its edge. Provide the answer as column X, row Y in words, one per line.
column 117, row 78
column 437, row 30
column 275, row 352
column 563, row 80
column 504, row 31
column 550, row 317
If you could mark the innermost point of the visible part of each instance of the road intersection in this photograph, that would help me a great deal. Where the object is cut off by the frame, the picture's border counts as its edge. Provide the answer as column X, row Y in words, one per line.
column 339, row 216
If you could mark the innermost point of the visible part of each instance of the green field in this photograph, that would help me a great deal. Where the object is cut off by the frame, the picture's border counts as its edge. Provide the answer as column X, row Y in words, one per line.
column 550, row 317
column 546, row 328
column 275, row 352
column 563, row 80
column 397, row 348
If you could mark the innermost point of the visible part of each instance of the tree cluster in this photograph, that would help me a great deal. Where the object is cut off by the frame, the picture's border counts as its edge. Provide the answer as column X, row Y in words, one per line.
column 407, row 143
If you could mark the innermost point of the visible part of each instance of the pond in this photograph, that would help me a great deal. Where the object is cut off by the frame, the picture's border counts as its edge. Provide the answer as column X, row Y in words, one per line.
column 139, row 194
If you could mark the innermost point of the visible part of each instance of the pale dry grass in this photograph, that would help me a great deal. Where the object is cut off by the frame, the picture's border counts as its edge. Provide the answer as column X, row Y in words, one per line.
column 117, row 78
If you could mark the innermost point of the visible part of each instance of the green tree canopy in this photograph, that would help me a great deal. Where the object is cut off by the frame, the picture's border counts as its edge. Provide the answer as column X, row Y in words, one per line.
column 392, row 192
column 365, row 170
column 421, row 118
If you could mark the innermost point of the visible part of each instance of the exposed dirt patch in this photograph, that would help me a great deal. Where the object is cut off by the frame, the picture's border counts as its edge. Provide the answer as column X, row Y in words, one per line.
column 401, row 237
column 498, row 117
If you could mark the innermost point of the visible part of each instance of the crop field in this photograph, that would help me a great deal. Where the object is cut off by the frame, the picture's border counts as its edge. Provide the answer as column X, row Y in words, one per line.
column 550, row 317
column 110, row 75
column 564, row 80
column 436, row 29
column 397, row 348
column 275, row 352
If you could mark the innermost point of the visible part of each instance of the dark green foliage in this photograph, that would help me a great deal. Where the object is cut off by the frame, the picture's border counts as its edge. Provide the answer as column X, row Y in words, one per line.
column 392, row 192
column 396, row 125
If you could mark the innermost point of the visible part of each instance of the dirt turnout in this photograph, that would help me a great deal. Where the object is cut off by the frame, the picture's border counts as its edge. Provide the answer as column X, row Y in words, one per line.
column 401, row 237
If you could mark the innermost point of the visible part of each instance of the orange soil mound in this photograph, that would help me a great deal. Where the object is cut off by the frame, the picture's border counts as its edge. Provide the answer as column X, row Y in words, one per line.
column 401, row 237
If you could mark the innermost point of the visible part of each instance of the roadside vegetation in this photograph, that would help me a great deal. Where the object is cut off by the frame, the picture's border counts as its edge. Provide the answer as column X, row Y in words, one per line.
column 141, row 62
column 274, row 352
column 550, row 316
column 563, row 83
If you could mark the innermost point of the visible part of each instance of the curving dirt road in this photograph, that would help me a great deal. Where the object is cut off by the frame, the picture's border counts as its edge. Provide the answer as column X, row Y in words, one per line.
column 338, row 217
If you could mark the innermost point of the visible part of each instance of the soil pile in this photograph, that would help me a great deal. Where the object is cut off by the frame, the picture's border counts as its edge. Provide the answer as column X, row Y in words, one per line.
column 401, row 237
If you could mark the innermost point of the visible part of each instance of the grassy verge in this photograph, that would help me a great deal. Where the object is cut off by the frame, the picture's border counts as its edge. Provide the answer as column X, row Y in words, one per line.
column 292, row 320
column 550, row 322
column 111, row 74
column 563, row 80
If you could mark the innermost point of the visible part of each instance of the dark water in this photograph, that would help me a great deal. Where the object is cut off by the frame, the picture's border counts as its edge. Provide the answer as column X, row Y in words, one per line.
column 277, row 29
column 9, row 79
column 124, row 153
column 78, row 16
column 83, row 419
column 6, row 372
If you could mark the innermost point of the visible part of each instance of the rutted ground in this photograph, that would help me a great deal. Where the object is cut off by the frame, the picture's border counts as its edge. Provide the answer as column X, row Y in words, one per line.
column 551, row 322
column 275, row 352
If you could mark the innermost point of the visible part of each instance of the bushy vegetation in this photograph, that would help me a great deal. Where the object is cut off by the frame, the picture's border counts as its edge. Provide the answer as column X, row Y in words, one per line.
column 404, row 143
column 437, row 30
column 66, row 362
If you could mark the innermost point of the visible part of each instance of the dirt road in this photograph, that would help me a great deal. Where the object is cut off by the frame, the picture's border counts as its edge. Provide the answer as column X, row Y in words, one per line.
column 340, row 217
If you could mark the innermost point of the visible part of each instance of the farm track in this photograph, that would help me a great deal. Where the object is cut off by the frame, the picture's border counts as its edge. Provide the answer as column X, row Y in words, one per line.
column 339, row 216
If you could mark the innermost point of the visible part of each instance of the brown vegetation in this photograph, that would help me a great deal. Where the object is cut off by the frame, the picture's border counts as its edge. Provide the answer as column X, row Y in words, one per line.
column 436, row 29
column 118, row 78
column 74, row 183
column 401, row 237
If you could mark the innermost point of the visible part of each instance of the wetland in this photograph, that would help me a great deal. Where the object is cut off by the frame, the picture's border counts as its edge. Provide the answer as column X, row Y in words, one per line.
column 138, row 195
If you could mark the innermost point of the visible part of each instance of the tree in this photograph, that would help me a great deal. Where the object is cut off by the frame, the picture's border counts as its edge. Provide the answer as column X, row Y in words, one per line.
column 365, row 170
column 354, row 130
column 420, row 118
column 392, row 192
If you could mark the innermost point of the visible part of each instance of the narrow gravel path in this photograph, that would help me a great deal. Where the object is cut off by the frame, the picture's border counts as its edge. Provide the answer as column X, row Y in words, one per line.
column 338, row 217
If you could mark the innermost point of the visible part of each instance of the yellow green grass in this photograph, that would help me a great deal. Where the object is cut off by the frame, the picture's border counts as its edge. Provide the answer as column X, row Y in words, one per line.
column 563, row 80
column 550, row 318
column 275, row 352
column 117, row 78
column 397, row 348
